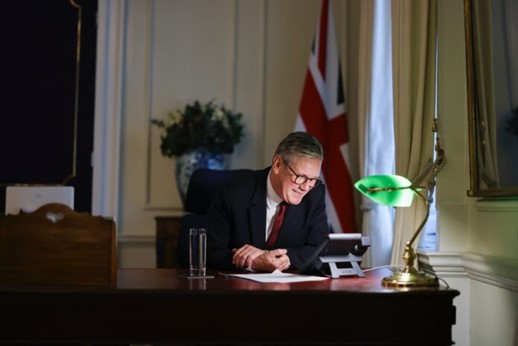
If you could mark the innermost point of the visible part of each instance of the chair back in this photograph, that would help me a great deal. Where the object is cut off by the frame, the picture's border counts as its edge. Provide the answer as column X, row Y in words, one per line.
column 203, row 185
column 55, row 245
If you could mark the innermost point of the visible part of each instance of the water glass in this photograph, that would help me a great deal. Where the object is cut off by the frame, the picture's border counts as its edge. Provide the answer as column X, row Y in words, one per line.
column 197, row 252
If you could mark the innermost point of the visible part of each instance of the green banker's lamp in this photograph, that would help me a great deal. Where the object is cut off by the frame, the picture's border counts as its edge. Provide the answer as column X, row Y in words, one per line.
column 398, row 191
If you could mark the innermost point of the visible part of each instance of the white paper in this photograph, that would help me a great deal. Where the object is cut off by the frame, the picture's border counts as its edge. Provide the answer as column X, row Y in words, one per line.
column 278, row 276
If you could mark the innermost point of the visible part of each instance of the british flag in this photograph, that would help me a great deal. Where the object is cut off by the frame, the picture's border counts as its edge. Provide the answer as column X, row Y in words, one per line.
column 322, row 113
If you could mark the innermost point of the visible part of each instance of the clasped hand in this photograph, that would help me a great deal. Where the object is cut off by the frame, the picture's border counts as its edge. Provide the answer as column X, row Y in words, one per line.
column 248, row 256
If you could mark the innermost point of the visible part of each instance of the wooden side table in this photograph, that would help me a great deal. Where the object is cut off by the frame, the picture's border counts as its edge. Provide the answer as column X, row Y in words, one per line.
column 167, row 232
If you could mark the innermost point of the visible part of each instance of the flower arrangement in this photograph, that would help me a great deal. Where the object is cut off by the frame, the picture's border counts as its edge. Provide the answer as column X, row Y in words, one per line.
column 200, row 126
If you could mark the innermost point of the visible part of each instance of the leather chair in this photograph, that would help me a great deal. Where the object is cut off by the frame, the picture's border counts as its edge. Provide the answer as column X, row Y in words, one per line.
column 55, row 245
column 203, row 185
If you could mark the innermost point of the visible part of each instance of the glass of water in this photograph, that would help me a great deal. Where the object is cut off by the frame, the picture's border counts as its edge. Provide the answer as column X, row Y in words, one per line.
column 197, row 252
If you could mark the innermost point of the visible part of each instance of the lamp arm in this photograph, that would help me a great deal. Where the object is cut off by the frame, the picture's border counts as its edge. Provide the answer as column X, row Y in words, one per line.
column 389, row 189
column 427, row 206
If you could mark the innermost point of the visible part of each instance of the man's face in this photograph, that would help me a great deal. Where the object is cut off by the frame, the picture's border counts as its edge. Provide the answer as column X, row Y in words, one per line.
column 283, row 178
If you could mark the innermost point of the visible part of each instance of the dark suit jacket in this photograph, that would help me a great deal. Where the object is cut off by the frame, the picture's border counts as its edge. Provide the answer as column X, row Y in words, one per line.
column 237, row 216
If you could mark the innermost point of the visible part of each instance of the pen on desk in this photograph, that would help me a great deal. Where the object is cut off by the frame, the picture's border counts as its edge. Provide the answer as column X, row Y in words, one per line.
column 225, row 275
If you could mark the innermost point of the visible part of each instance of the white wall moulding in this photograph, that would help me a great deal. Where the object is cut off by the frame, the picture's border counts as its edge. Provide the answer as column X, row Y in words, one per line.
column 443, row 264
column 497, row 271
column 136, row 239
column 492, row 270
column 136, row 251
column 108, row 109
column 497, row 205
column 173, row 211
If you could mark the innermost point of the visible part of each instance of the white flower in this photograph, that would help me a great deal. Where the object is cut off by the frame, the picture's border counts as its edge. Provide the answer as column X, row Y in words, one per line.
column 218, row 114
column 174, row 118
column 226, row 124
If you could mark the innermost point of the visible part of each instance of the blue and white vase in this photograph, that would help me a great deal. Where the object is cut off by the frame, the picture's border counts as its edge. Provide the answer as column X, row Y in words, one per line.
column 187, row 163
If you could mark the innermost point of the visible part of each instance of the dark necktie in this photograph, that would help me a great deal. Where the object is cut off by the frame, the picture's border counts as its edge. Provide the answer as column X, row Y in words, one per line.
column 276, row 226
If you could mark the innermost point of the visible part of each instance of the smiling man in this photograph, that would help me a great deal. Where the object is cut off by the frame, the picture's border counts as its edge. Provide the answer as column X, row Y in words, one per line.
column 273, row 218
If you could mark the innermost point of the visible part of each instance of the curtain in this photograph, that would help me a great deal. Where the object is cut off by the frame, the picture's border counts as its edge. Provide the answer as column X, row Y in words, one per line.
column 379, row 134
column 484, row 90
column 366, row 20
column 414, row 62
column 370, row 106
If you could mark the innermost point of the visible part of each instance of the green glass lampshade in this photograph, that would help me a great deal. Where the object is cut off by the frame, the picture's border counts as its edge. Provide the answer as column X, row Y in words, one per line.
column 398, row 191
column 392, row 190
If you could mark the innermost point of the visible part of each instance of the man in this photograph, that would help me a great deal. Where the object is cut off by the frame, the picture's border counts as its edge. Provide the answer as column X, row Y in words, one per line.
column 241, row 220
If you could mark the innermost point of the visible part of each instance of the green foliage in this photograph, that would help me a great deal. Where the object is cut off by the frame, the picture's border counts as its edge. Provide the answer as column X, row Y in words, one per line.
column 200, row 126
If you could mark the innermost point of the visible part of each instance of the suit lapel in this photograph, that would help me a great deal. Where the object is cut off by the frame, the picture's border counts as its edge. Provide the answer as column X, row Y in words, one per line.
column 257, row 211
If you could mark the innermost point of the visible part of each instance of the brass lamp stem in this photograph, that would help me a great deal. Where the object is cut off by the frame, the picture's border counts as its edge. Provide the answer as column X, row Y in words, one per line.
column 427, row 208
column 409, row 254
column 409, row 276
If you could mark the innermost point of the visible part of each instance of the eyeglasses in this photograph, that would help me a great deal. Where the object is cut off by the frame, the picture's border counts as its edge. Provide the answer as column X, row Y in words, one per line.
column 302, row 179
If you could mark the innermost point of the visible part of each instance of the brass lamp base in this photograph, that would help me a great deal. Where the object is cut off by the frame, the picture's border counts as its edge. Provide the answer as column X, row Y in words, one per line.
column 410, row 278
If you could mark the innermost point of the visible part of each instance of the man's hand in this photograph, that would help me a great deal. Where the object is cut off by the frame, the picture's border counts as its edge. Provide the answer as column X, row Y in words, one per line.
column 245, row 255
column 249, row 256
column 271, row 260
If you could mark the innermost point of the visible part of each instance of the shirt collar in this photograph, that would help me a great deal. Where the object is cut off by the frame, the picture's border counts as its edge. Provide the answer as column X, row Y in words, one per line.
column 272, row 199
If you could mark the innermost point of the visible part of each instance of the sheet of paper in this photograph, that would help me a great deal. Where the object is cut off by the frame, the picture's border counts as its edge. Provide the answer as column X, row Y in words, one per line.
column 278, row 277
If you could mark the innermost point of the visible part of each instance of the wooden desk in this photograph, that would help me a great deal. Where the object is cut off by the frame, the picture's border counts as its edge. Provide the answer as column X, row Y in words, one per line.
column 156, row 305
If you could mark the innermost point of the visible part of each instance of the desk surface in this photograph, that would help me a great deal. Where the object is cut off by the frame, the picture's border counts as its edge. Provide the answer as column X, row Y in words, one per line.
column 166, row 279
column 158, row 305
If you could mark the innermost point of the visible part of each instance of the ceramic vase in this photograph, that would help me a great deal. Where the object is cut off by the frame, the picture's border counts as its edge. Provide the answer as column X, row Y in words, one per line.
column 187, row 163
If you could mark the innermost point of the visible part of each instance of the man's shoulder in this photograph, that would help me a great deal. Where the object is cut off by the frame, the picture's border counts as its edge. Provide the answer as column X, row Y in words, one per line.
column 245, row 178
column 246, row 185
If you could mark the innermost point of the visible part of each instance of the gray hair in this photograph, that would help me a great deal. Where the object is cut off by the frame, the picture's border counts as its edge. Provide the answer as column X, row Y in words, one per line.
column 300, row 144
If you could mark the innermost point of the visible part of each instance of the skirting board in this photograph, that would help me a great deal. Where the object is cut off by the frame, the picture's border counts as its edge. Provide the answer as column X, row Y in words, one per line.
column 497, row 271
column 136, row 251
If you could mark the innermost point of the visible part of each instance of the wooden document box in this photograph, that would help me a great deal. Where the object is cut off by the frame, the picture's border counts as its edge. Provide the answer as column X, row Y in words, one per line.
column 57, row 246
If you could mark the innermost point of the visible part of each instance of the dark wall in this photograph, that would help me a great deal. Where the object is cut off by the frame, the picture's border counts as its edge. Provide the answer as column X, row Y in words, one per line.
column 38, row 42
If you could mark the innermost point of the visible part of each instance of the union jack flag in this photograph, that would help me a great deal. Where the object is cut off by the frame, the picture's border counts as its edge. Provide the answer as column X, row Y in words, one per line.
column 322, row 113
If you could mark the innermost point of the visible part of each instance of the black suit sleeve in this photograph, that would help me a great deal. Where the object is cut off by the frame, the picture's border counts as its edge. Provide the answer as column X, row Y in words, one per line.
column 219, row 253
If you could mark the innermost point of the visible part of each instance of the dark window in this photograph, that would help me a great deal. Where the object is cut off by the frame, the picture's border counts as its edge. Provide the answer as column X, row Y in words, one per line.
column 38, row 40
